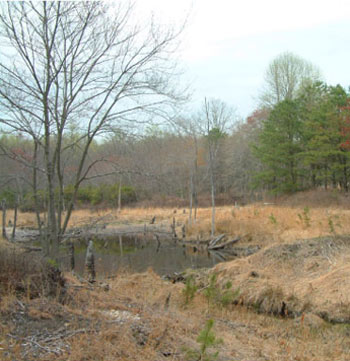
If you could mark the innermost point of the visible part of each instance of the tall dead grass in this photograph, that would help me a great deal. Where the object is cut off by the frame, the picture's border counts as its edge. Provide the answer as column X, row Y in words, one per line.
column 304, row 215
column 145, row 329
column 273, row 223
column 28, row 275
column 167, row 331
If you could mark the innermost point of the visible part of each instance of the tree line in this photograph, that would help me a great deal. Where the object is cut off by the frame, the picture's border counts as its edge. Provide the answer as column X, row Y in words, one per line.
column 304, row 141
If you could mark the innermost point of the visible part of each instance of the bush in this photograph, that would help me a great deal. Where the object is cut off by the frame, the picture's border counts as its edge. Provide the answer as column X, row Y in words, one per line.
column 9, row 196
column 93, row 195
column 28, row 203
column 106, row 194
column 29, row 275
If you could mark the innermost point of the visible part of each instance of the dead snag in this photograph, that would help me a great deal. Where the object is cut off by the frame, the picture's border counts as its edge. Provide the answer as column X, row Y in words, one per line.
column 71, row 256
column 14, row 221
column 90, row 262
column 173, row 229
column 3, row 207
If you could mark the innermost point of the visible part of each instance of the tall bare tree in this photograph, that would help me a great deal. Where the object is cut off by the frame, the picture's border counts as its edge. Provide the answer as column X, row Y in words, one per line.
column 284, row 77
column 81, row 65
column 218, row 118
column 189, row 130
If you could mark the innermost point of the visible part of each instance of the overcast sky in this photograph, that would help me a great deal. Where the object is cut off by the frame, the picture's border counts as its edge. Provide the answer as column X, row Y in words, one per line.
column 228, row 44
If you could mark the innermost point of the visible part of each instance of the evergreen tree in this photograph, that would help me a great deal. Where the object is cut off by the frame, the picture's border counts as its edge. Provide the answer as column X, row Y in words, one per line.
column 324, row 135
column 279, row 148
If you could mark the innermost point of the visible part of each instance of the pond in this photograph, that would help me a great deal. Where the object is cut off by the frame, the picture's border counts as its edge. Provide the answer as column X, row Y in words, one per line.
column 138, row 254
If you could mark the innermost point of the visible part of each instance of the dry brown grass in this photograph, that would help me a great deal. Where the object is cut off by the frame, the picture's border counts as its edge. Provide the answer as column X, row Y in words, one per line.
column 308, row 276
column 258, row 222
column 327, row 213
column 148, row 330
column 132, row 321
column 26, row 274
column 273, row 223
column 152, row 330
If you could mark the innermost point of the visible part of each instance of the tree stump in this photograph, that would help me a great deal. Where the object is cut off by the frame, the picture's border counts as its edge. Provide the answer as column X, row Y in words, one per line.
column 173, row 229
column 90, row 262
column 71, row 256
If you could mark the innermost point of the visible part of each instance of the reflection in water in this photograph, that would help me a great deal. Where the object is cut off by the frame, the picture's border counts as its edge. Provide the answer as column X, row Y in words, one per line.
column 138, row 254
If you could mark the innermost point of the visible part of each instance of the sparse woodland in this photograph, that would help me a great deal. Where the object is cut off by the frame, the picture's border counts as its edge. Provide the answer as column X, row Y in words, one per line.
column 97, row 130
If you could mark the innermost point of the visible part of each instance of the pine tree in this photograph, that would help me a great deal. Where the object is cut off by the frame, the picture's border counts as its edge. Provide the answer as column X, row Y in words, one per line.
column 279, row 148
column 325, row 153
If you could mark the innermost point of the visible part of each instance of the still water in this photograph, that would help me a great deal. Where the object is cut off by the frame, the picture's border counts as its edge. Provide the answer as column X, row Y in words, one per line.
column 138, row 254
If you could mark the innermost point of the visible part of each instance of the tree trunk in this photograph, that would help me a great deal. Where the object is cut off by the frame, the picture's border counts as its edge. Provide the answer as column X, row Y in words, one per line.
column 3, row 206
column 120, row 196
column 52, row 226
column 72, row 255
column 121, row 245
column 35, row 188
column 345, row 175
column 191, row 201
column 195, row 179
column 36, row 198
column 212, row 206
column 14, row 221
column 173, row 228
column 212, row 184
column 90, row 262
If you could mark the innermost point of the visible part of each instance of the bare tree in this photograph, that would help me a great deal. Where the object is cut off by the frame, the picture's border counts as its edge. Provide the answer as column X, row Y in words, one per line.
column 284, row 77
column 189, row 130
column 240, row 162
column 79, row 65
column 218, row 118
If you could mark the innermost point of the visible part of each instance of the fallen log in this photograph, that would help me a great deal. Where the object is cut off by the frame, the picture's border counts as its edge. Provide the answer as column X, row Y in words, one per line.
column 217, row 255
column 216, row 240
column 194, row 242
column 223, row 245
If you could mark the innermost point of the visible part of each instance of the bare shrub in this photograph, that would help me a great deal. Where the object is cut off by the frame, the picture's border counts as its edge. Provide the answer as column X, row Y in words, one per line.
column 29, row 275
